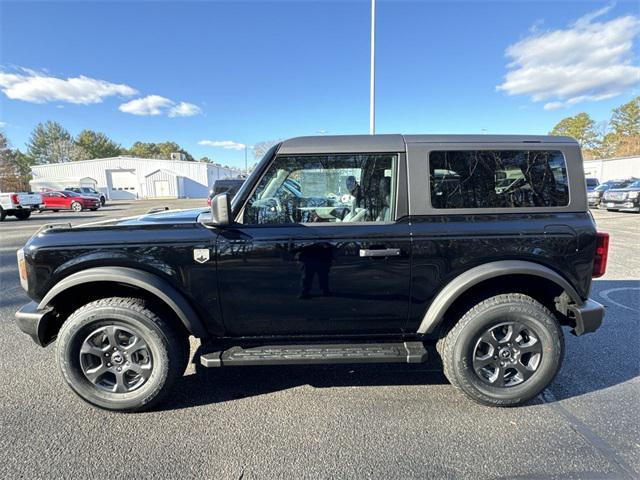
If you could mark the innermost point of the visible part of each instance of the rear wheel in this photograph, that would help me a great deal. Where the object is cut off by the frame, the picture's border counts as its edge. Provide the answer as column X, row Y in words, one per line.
column 23, row 214
column 118, row 354
column 76, row 206
column 504, row 351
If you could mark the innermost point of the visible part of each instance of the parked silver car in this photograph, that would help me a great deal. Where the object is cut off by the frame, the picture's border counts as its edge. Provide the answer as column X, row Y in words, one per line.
column 89, row 192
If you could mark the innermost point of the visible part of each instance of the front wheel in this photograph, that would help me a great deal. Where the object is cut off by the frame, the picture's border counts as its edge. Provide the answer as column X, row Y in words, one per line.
column 76, row 206
column 118, row 354
column 504, row 351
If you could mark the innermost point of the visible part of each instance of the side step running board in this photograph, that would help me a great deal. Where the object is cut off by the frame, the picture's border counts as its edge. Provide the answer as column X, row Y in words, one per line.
column 403, row 352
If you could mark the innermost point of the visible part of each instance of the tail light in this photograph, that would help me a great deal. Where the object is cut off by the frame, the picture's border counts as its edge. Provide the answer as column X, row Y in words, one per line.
column 14, row 198
column 22, row 269
column 602, row 253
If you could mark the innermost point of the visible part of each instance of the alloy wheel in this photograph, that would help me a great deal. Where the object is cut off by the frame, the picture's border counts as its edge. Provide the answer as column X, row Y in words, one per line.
column 116, row 359
column 507, row 354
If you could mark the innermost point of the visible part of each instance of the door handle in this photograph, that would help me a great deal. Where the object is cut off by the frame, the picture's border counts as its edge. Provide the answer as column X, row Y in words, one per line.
column 379, row 252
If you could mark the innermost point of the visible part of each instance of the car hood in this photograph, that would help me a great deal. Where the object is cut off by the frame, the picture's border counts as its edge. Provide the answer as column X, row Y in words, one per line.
column 166, row 216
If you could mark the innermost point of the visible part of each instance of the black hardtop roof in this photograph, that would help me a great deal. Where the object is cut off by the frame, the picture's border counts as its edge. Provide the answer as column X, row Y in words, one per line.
column 397, row 142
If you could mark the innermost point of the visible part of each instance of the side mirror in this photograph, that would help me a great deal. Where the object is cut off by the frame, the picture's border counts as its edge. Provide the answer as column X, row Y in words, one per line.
column 221, row 210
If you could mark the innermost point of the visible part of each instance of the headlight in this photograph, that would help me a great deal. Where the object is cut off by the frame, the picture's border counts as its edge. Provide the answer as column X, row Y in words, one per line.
column 633, row 194
column 22, row 268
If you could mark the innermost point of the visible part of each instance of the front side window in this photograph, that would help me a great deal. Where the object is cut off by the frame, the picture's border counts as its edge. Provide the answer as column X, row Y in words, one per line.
column 324, row 188
column 498, row 179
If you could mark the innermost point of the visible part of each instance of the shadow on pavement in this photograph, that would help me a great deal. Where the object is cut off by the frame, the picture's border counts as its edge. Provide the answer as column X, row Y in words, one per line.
column 592, row 362
column 216, row 385
column 609, row 356
column 55, row 218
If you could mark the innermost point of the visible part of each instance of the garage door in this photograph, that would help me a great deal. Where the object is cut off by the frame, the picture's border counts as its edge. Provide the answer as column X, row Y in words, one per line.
column 123, row 185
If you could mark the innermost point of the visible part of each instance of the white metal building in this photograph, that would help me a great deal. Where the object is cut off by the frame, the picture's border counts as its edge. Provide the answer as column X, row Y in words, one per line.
column 61, row 183
column 612, row 168
column 122, row 178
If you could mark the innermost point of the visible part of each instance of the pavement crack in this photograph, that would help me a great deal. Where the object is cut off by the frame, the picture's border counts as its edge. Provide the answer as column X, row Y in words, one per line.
column 623, row 469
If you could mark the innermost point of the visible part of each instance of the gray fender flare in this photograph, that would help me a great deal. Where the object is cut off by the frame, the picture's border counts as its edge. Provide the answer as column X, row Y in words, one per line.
column 136, row 278
column 473, row 276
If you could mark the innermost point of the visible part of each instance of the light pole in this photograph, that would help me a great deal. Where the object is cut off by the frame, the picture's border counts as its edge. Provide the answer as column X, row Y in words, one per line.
column 246, row 170
column 372, row 86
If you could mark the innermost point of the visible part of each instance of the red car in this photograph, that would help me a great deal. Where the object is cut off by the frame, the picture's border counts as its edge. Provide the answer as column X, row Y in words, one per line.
column 67, row 200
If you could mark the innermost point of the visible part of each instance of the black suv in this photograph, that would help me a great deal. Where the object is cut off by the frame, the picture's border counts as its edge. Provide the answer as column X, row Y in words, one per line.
column 481, row 246
column 227, row 185
column 594, row 196
column 625, row 198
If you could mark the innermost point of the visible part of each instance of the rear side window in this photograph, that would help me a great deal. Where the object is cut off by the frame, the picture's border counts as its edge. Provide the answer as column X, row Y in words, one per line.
column 498, row 179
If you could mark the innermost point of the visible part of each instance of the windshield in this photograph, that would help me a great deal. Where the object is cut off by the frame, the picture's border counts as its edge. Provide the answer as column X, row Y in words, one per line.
column 608, row 185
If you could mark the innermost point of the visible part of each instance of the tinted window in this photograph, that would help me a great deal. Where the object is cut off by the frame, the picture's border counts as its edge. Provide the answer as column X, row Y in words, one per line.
column 498, row 179
column 324, row 188
column 592, row 182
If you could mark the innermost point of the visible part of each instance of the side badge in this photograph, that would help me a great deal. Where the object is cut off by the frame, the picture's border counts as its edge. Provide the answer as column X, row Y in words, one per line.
column 201, row 255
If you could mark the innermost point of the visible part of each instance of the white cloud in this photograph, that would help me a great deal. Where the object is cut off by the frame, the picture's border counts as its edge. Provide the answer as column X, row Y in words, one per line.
column 184, row 109
column 226, row 144
column 149, row 105
column 35, row 87
column 157, row 105
column 587, row 61
column 3, row 124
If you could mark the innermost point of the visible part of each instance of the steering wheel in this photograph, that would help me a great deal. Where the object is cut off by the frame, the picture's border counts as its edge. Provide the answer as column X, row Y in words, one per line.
column 272, row 203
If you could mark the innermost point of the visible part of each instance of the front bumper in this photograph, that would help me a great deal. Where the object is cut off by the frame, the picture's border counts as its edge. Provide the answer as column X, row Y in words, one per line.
column 588, row 316
column 35, row 323
column 631, row 205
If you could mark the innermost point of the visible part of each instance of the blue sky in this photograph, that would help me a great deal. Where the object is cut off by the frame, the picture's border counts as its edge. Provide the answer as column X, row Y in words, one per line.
column 200, row 73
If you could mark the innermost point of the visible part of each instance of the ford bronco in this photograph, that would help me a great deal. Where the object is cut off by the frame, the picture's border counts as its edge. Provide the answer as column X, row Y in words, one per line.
column 337, row 249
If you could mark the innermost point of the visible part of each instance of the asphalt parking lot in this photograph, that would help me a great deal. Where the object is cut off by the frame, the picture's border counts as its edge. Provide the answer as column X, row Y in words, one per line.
column 376, row 421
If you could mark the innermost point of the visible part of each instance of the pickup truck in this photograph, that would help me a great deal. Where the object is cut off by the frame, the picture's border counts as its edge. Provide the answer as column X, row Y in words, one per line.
column 19, row 205
column 337, row 249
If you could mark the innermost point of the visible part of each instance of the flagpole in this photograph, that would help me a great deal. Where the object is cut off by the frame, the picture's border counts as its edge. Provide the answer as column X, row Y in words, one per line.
column 372, row 86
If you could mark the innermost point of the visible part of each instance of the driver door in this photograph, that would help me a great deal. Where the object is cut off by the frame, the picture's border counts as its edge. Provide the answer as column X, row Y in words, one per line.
column 318, row 249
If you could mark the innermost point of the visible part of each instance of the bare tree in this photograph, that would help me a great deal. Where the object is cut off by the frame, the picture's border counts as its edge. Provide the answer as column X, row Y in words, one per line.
column 260, row 148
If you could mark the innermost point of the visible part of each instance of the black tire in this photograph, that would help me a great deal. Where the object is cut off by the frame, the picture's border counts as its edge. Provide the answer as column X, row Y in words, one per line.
column 3, row 214
column 166, row 347
column 55, row 211
column 76, row 206
column 463, row 351
column 93, row 209
column 23, row 214
column 103, row 201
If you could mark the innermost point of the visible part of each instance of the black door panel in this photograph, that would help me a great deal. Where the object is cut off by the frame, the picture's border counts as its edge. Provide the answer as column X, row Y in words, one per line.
column 301, row 279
